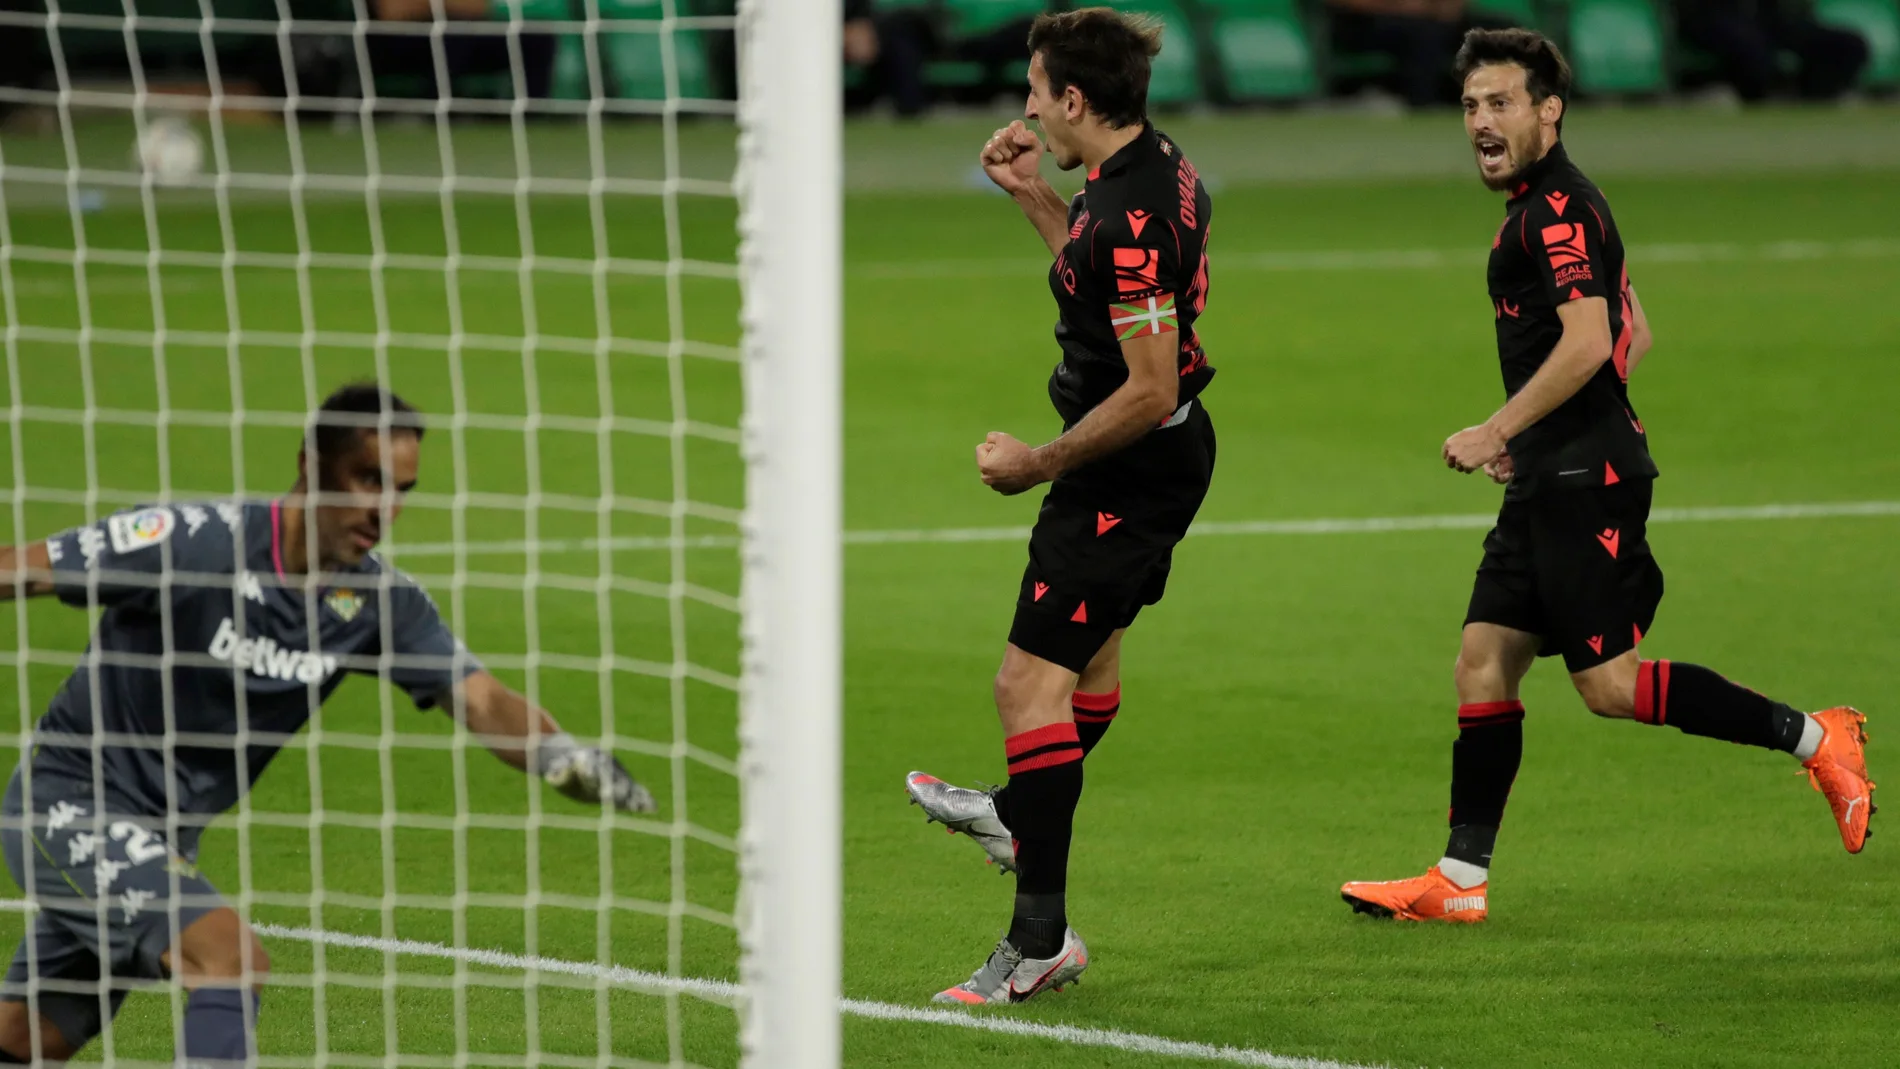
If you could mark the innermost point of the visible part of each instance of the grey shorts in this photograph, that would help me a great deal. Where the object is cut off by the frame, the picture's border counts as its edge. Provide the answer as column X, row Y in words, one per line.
column 77, row 961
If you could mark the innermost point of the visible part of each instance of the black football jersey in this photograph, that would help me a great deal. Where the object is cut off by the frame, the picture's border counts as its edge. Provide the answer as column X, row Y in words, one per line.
column 1559, row 243
column 1135, row 265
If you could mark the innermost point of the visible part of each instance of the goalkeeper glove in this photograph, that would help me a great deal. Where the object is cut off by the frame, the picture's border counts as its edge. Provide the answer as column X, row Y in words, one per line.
column 590, row 774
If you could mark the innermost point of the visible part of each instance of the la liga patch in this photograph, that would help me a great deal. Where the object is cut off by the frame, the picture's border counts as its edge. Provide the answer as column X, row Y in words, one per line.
column 136, row 530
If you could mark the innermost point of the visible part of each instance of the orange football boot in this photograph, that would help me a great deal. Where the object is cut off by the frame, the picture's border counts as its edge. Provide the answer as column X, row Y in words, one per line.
column 1431, row 897
column 1838, row 769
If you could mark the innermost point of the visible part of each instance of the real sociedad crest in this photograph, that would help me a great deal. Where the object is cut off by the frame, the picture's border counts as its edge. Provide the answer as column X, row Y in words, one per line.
column 345, row 603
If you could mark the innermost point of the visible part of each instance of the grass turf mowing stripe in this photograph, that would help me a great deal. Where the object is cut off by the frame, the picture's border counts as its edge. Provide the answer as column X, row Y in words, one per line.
column 1344, row 525
column 728, row 993
column 137, row 280
column 1417, row 259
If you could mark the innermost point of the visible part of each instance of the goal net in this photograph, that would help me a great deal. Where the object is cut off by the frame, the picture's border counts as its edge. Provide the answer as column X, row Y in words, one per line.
column 596, row 244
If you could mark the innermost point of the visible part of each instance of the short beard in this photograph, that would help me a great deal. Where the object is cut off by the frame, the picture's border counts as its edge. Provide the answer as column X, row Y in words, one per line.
column 1501, row 183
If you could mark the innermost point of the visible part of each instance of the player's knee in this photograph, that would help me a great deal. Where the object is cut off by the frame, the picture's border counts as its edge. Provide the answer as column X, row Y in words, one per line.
column 219, row 948
column 16, row 1036
column 1605, row 694
column 1013, row 691
column 1479, row 676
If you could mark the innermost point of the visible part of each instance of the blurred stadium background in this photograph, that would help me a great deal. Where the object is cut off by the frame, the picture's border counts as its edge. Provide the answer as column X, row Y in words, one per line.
column 545, row 261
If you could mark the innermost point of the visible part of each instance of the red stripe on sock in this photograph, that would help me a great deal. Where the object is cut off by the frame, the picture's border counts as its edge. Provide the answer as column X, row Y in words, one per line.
column 1652, row 692
column 1097, row 703
column 1063, row 756
column 1478, row 714
column 1662, row 692
column 1047, row 735
column 1094, row 718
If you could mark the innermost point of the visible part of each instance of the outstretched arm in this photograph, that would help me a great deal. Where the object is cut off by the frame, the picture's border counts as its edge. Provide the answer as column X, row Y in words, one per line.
column 25, row 572
column 509, row 725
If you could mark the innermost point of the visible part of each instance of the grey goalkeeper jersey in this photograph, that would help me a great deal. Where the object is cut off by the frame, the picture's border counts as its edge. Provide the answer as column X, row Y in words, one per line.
column 203, row 633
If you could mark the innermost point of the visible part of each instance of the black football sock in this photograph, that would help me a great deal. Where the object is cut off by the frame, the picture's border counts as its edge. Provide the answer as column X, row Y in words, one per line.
column 1045, row 783
column 1701, row 702
column 1094, row 715
column 218, row 1026
column 1484, row 764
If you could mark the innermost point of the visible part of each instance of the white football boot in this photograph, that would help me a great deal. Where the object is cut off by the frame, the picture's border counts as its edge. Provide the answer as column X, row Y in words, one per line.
column 1009, row 977
column 961, row 809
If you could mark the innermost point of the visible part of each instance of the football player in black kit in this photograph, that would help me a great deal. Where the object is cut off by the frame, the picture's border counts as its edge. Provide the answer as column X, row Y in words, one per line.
column 1127, row 473
column 1567, row 570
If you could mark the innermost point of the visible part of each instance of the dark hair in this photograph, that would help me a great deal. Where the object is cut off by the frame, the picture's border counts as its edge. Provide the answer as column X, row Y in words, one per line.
column 354, row 408
column 1103, row 52
column 1546, row 71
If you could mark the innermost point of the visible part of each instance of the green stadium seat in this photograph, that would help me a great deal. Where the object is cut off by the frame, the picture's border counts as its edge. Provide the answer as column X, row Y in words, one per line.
column 1176, row 75
column 1878, row 21
column 570, row 69
column 971, row 18
column 954, row 74
column 1264, row 50
column 1516, row 12
column 158, row 49
column 1616, row 47
column 635, row 59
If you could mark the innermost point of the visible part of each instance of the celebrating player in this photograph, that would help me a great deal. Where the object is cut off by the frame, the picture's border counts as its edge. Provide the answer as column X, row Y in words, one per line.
column 1128, row 472
column 1567, row 569
column 221, row 620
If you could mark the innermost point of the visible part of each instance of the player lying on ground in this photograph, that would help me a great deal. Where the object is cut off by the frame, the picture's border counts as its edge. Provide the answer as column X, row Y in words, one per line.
column 1129, row 471
column 262, row 608
column 1568, row 569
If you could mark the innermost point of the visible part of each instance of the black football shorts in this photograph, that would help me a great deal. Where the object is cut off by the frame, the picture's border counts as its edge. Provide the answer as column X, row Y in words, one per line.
column 1104, row 540
column 1574, row 567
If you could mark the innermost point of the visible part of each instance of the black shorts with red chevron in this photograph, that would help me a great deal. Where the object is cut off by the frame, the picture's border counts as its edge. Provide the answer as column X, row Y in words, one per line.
column 1574, row 567
column 1104, row 541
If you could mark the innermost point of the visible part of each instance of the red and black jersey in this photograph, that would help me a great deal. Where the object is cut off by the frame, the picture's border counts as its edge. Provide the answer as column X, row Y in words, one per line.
column 1135, row 264
column 1559, row 243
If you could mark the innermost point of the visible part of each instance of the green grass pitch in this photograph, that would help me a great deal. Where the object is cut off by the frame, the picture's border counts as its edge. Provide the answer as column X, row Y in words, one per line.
column 1657, row 900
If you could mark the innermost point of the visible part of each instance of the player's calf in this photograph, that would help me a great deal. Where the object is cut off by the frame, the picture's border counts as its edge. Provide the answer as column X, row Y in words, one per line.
column 1830, row 745
column 223, row 965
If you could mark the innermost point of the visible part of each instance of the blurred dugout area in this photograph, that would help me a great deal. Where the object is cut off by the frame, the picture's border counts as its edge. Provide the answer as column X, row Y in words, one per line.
column 646, row 54
column 921, row 53
column 1271, row 51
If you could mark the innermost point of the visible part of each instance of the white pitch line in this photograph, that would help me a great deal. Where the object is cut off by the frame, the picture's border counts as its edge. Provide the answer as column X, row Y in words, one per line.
column 1343, row 525
column 728, row 993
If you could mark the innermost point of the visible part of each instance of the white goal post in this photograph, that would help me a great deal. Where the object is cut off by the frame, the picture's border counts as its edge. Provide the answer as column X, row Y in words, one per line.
column 791, row 184
column 544, row 284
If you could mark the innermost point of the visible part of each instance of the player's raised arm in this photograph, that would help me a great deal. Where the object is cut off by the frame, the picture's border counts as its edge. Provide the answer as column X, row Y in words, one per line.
column 1012, row 157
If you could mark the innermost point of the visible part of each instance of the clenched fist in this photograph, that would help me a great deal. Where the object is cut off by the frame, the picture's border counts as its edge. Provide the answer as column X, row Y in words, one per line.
column 1012, row 156
column 1008, row 466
